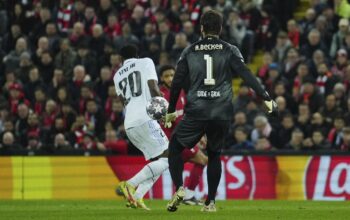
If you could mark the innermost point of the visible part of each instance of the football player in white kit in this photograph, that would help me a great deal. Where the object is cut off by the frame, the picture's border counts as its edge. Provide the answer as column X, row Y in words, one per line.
column 136, row 82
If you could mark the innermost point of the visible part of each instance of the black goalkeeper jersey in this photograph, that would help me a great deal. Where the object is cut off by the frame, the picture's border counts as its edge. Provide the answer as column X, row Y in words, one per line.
column 205, row 71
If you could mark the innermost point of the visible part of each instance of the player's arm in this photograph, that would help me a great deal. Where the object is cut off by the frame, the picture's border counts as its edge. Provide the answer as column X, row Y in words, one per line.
column 154, row 88
column 242, row 70
column 152, row 78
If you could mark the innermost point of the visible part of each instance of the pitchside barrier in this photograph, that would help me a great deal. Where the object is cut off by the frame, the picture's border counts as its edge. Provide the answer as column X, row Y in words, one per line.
column 245, row 175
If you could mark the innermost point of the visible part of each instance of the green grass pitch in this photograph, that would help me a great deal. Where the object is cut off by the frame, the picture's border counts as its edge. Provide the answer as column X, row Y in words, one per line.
column 101, row 209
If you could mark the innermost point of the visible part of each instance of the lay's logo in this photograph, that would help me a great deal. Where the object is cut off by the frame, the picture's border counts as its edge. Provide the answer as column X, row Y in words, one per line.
column 328, row 178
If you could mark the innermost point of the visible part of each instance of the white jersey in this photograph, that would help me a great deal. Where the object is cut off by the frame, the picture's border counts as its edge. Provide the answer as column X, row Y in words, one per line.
column 131, row 83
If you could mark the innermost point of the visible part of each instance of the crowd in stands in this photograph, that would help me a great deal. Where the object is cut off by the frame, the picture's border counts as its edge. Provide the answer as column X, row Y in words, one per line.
column 58, row 58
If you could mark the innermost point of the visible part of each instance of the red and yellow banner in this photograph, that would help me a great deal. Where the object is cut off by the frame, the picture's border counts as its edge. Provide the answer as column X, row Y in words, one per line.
column 243, row 177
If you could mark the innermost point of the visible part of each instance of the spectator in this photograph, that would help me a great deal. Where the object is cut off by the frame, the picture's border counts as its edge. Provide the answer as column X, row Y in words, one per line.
column 58, row 127
column 284, row 133
column 16, row 97
column 79, row 78
column 340, row 96
column 88, row 59
column 126, row 37
column 291, row 63
column 318, row 58
column 263, row 70
column 49, row 115
column 293, row 33
column 310, row 95
column 39, row 100
column 117, row 114
column 78, row 35
column 308, row 22
column 11, row 60
column 61, row 143
column 78, row 13
column 90, row 19
column 180, row 44
column 89, row 143
column 46, row 67
column 138, row 21
column 113, row 27
column 25, row 64
column 267, row 28
column 64, row 15
column 34, row 82
column 296, row 141
column 68, row 115
column 242, row 142
column 9, row 40
column 165, row 38
column 112, row 142
column 346, row 139
column 53, row 36
column 188, row 29
column 341, row 63
column 330, row 110
column 103, row 82
column 65, row 58
column 318, row 123
column 273, row 77
column 97, row 40
column 262, row 129
column 105, row 9
column 304, row 117
column 281, row 90
column 282, row 47
column 313, row 43
column 300, row 78
column 339, row 36
column 335, row 135
column 94, row 116
column 325, row 79
column 318, row 141
column 43, row 45
column 8, row 145
column 34, row 142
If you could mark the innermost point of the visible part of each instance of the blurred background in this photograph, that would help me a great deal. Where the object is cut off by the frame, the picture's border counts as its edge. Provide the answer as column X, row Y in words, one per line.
column 61, row 123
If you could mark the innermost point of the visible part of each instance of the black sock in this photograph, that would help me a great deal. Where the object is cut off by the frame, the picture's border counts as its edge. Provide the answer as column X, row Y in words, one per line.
column 213, row 175
column 176, row 164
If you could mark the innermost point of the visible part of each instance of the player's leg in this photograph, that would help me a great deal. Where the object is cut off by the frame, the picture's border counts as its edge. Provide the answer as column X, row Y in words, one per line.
column 196, row 156
column 216, row 132
column 151, row 140
column 187, row 133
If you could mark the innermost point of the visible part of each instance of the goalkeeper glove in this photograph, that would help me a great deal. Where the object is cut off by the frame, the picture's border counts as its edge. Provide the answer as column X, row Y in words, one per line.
column 169, row 118
column 271, row 106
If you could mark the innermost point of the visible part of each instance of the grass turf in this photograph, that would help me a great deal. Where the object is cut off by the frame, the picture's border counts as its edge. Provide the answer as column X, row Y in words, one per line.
column 48, row 209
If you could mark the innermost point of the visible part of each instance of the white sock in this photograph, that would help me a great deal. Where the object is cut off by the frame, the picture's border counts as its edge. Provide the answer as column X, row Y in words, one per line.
column 151, row 170
column 188, row 193
column 144, row 187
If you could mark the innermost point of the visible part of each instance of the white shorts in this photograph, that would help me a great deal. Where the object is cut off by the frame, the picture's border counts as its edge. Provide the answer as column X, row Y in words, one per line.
column 148, row 138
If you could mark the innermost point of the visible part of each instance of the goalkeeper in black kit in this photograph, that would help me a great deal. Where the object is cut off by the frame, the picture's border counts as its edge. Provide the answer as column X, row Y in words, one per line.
column 205, row 71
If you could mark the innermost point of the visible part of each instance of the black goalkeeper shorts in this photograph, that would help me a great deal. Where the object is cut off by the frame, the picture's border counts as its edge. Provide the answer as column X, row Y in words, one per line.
column 188, row 132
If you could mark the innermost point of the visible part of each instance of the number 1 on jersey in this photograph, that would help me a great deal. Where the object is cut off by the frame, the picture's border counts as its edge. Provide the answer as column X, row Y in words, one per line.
column 209, row 81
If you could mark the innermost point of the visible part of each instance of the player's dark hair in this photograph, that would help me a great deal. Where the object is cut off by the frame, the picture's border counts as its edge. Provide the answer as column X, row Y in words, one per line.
column 211, row 22
column 129, row 51
column 165, row 68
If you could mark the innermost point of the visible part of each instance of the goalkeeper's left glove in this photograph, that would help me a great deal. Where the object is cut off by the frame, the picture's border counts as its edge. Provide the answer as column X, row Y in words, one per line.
column 271, row 106
column 169, row 118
